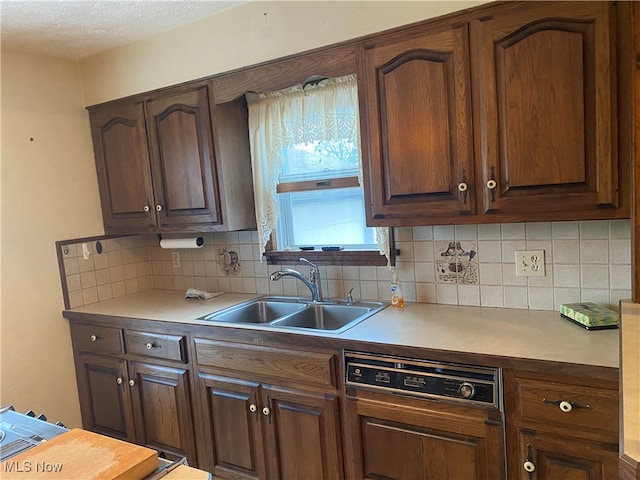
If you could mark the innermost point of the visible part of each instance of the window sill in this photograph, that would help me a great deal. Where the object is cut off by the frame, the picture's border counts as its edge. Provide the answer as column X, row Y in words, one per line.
column 342, row 257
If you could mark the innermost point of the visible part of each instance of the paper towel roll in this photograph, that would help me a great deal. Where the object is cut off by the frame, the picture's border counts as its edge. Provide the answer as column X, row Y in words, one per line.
column 195, row 242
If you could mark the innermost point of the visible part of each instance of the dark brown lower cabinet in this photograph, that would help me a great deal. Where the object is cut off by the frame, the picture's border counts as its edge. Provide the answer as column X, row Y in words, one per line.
column 162, row 409
column 562, row 427
column 259, row 431
column 407, row 439
column 137, row 402
column 545, row 456
column 105, row 399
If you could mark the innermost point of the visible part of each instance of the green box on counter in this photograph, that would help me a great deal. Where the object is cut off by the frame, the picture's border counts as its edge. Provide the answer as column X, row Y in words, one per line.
column 591, row 316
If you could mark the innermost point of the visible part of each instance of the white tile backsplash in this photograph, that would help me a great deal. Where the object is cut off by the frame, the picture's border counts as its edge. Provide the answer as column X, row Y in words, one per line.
column 516, row 297
column 565, row 230
column 585, row 261
column 490, row 231
column 512, row 231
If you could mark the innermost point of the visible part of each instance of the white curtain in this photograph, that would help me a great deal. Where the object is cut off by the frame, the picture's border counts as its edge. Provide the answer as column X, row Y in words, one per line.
column 327, row 110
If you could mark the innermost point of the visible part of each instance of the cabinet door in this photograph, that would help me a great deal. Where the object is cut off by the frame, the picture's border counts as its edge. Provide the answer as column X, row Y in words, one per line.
column 233, row 432
column 551, row 457
column 182, row 155
column 302, row 434
column 415, row 100
column 392, row 441
column 105, row 398
column 122, row 164
column 162, row 409
column 546, row 103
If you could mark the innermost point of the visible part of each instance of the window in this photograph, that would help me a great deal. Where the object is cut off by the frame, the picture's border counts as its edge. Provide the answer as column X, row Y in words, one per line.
column 306, row 168
column 320, row 201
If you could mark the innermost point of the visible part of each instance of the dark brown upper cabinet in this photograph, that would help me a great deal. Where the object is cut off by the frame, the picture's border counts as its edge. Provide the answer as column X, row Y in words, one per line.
column 122, row 164
column 507, row 114
column 163, row 159
column 546, row 108
column 415, row 104
column 182, row 158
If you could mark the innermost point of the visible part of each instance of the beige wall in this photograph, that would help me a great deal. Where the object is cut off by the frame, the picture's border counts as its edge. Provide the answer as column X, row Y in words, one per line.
column 246, row 35
column 49, row 193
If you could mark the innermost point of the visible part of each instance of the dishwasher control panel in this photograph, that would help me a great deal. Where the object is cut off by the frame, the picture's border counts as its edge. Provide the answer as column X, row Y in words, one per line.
column 424, row 378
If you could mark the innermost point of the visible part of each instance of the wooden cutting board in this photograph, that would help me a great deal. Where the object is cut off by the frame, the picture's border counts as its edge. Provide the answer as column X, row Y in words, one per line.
column 82, row 455
column 184, row 472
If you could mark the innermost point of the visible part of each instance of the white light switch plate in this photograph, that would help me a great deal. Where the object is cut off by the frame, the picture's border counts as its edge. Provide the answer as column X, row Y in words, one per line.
column 530, row 263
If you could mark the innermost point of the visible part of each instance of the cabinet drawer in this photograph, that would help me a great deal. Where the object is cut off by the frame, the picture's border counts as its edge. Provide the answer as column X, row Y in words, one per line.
column 568, row 405
column 92, row 338
column 283, row 363
column 157, row 345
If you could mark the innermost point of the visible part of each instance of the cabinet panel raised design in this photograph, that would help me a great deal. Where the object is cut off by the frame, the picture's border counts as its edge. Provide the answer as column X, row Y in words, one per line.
column 122, row 164
column 551, row 457
column 232, row 412
column 304, row 426
column 105, row 399
column 417, row 453
column 417, row 116
column 183, row 158
column 547, row 108
column 162, row 406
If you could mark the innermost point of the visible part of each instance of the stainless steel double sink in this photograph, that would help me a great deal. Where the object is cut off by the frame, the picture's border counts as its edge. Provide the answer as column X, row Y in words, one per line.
column 297, row 313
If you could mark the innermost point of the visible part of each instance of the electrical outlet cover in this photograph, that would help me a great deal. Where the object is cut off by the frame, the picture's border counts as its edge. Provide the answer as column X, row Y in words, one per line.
column 530, row 263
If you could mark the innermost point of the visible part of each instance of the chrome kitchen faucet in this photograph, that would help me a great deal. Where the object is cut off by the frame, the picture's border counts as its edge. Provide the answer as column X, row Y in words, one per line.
column 312, row 283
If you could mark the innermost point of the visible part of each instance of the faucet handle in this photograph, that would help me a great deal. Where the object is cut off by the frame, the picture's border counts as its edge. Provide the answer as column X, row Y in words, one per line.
column 311, row 264
column 314, row 269
column 350, row 297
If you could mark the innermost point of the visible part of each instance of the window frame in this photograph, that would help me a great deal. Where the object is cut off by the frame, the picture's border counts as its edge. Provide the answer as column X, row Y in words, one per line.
column 341, row 257
column 316, row 185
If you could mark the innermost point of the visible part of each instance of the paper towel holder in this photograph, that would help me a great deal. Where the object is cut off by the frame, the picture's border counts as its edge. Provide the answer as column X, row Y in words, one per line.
column 193, row 242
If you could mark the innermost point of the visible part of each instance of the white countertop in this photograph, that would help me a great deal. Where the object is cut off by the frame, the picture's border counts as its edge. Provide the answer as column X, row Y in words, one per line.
column 531, row 334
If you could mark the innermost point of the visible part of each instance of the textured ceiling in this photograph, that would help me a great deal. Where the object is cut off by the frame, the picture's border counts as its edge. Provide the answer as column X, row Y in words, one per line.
column 76, row 29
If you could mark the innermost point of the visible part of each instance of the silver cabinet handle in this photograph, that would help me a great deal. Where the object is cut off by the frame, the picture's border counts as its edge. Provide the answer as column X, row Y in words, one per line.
column 529, row 466
column 119, row 380
column 491, row 184
column 462, row 187
column 146, row 208
column 93, row 338
column 149, row 346
column 159, row 207
column 131, row 383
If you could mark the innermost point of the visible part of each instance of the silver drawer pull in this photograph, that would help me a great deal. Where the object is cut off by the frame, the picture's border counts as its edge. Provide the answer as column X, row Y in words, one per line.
column 149, row 346
column 93, row 338
column 565, row 406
